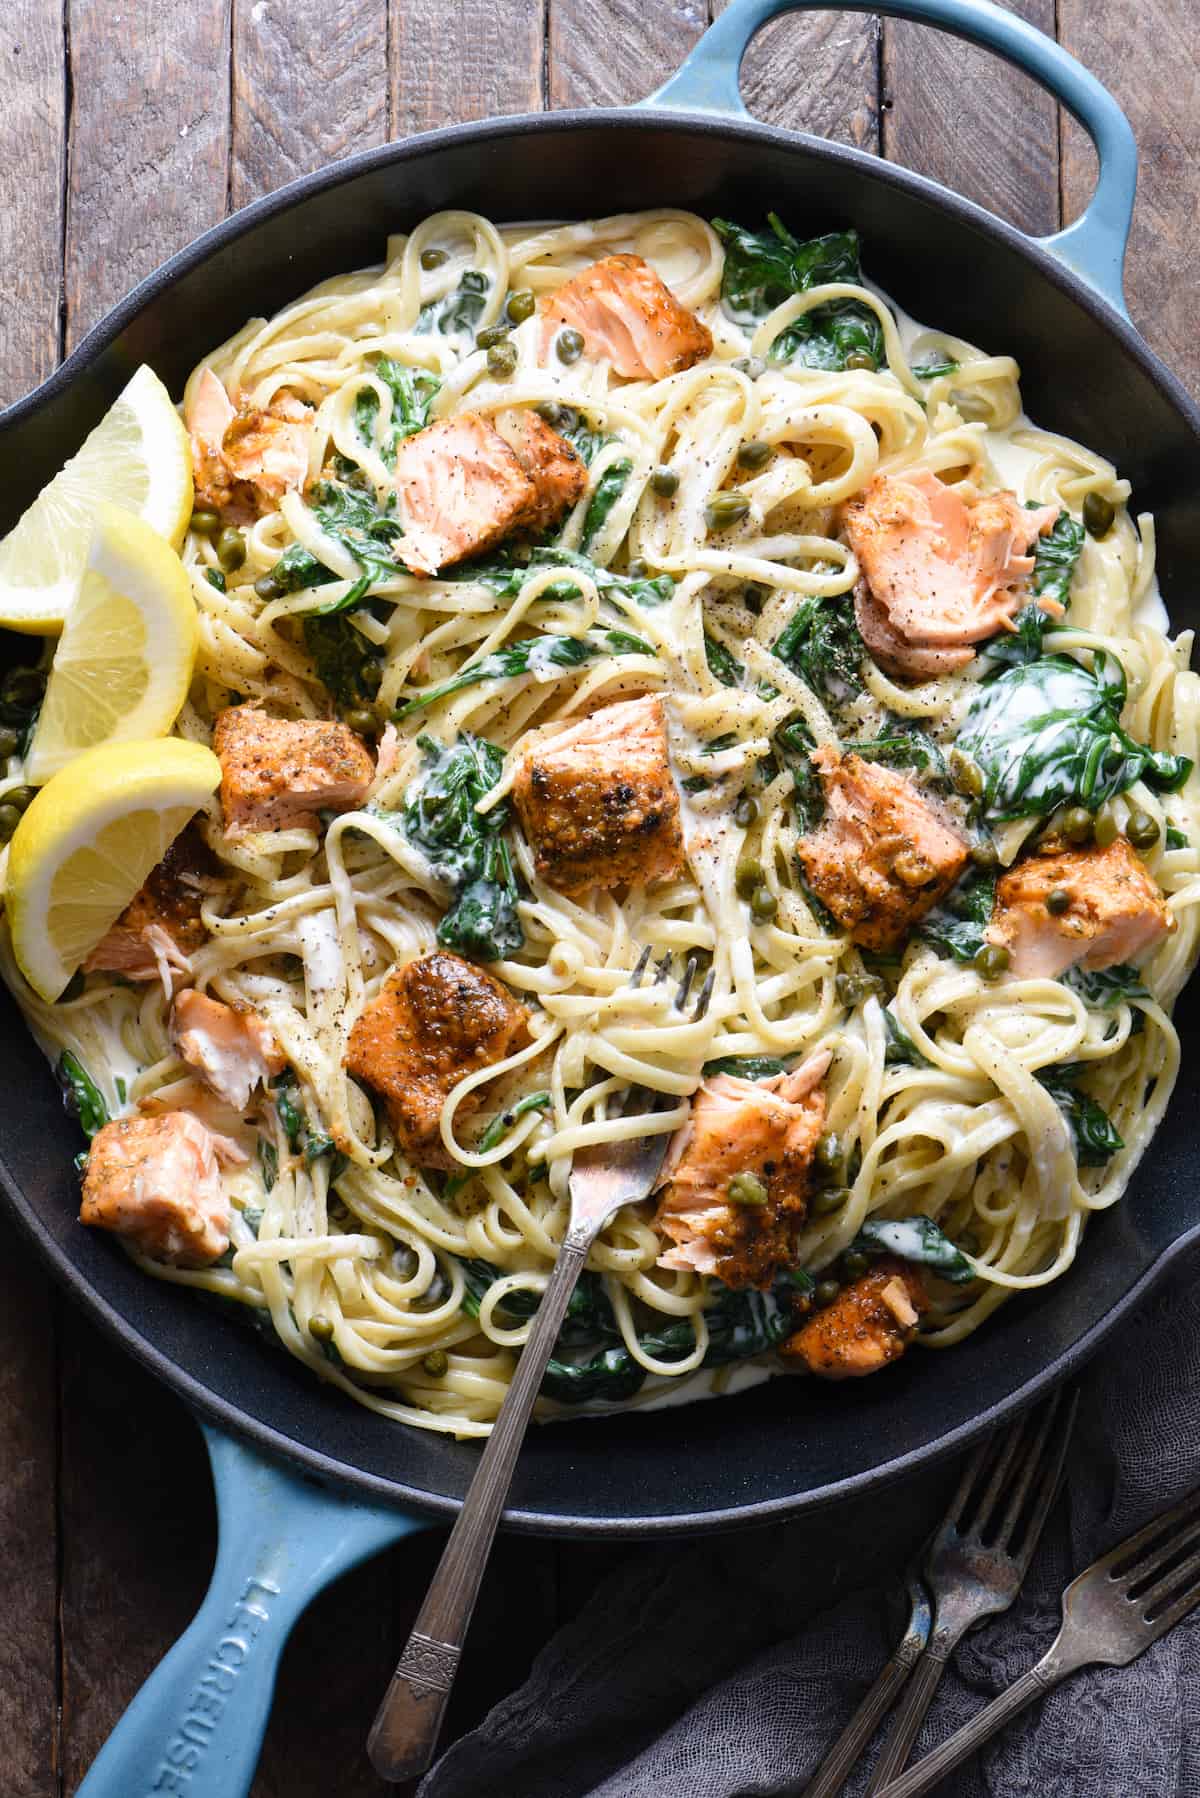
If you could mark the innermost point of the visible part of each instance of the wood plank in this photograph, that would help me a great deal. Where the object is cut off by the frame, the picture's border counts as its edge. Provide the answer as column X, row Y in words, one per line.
column 33, row 134
column 967, row 119
column 310, row 85
column 612, row 52
column 149, row 144
column 816, row 73
column 1151, row 62
column 467, row 61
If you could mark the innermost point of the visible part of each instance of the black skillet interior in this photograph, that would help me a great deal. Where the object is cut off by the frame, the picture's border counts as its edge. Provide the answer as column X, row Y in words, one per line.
column 777, row 1448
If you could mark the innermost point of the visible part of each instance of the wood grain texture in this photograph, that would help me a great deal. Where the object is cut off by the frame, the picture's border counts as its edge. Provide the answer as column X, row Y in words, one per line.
column 33, row 131
column 310, row 85
column 467, row 59
column 969, row 120
column 149, row 142
column 612, row 52
column 817, row 72
column 1150, row 59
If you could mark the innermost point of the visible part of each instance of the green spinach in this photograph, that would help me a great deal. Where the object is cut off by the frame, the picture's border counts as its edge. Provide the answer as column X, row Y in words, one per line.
column 350, row 516
column 459, row 311
column 765, row 268
column 917, row 1239
column 721, row 665
column 903, row 745
column 1104, row 988
column 413, row 391
column 1056, row 557
column 1092, row 1130
column 466, row 848
column 933, row 364
column 341, row 656
column 956, row 926
column 607, row 492
column 901, row 1051
column 821, row 644
column 746, row 1067
column 504, row 576
column 81, row 1096
column 531, row 655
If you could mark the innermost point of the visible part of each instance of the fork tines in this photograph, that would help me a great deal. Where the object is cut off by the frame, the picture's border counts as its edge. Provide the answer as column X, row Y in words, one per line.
column 663, row 969
column 1158, row 1568
column 1020, row 1472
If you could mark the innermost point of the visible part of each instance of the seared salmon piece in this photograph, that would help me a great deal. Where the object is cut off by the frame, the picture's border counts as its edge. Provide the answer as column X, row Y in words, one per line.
column 626, row 314
column 1115, row 912
column 279, row 772
column 461, row 488
column 881, row 855
column 940, row 573
column 233, row 1051
column 550, row 462
column 161, row 926
column 764, row 1127
column 433, row 1022
column 869, row 1324
column 157, row 1181
column 245, row 458
column 597, row 802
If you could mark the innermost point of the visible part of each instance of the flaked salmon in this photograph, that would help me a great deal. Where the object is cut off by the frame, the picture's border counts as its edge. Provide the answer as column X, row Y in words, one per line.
column 597, row 802
column 461, row 488
column 869, row 1324
column 157, row 1182
column 233, row 1051
column 434, row 1021
column 558, row 475
column 881, row 856
column 767, row 1128
column 161, row 926
column 940, row 572
column 1114, row 911
column 627, row 315
column 244, row 457
column 279, row 772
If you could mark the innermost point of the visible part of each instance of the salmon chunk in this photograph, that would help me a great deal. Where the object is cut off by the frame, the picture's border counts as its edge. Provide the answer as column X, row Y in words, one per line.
column 881, row 856
column 767, row 1128
column 628, row 316
column 433, row 1022
column 461, row 488
column 245, row 458
column 550, row 462
column 161, row 926
column 869, row 1324
column 940, row 572
column 597, row 802
column 157, row 1182
column 1115, row 913
column 232, row 1051
column 276, row 772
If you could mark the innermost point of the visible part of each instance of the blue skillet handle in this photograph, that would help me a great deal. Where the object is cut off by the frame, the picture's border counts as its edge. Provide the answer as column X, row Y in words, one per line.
column 197, row 1724
column 1094, row 246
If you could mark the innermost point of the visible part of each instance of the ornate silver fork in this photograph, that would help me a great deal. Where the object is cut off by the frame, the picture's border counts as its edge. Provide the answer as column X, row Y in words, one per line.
column 1111, row 1614
column 603, row 1178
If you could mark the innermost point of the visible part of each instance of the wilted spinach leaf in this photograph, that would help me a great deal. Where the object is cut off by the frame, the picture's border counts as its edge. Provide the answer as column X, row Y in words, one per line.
column 1095, row 1137
column 608, row 491
column 765, row 268
column 904, row 745
column 822, row 645
column 466, row 848
column 901, row 1051
column 413, row 391
column 458, row 311
column 933, row 364
column 340, row 654
column 746, row 1067
column 1104, row 988
column 81, row 1096
column 532, row 655
column 721, row 665
column 957, row 924
column 917, row 1239
column 504, row 576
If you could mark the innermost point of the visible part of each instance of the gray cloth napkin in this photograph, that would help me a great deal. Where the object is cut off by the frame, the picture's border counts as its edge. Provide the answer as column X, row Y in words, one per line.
column 724, row 1668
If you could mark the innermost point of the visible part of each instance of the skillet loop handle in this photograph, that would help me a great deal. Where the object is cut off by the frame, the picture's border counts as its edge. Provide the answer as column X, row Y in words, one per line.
column 197, row 1724
column 1094, row 246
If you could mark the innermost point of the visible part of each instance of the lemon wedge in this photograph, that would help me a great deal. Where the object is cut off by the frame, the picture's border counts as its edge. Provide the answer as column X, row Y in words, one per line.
column 138, row 457
column 124, row 660
column 87, row 843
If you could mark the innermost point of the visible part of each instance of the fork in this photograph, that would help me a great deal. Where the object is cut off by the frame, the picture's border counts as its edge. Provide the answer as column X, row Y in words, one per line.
column 980, row 1554
column 604, row 1176
column 1111, row 1614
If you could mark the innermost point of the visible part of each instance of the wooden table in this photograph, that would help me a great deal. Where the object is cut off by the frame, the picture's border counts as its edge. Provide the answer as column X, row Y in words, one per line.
column 124, row 133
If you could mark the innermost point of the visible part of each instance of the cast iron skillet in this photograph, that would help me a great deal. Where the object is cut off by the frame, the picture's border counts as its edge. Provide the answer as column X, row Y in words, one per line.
column 791, row 1445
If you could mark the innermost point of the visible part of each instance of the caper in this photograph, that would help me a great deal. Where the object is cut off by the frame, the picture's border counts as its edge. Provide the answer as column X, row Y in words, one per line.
column 754, row 454
column 755, row 596
column 860, row 359
column 10, row 817
column 231, row 549
column 745, row 812
column 747, row 1189
column 569, row 345
column 370, row 676
column 748, row 878
column 1099, row 515
column 21, row 797
column 724, row 509
column 362, row 720
column 985, row 855
column 320, row 1327
column 831, row 1199
column 520, row 305
column 991, row 961
column 10, row 741
column 1077, row 824
column 966, row 775
column 555, row 415
column 763, row 905
column 434, row 258
column 1105, row 830
column 1058, row 900
column 754, row 366
column 269, row 586
column 436, row 1363
column 206, row 523
column 849, row 989
column 664, row 481
column 854, row 1264
column 22, row 689
column 828, row 1151
column 502, row 360
column 491, row 334
column 827, row 1291
column 1142, row 830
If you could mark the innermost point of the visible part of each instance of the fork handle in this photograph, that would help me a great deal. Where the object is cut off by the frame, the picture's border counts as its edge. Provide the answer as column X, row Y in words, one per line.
column 907, row 1722
column 407, row 1725
column 844, row 1756
column 933, row 1769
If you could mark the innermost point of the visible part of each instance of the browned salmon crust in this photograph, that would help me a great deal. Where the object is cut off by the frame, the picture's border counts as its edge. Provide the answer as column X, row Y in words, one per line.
column 170, row 901
column 1115, row 910
column 461, row 488
column 244, row 457
column 869, row 1324
column 881, row 857
column 558, row 475
column 597, row 802
column 278, row 772
column 628, row 315
column 434, row 1021
column 156, row 1181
